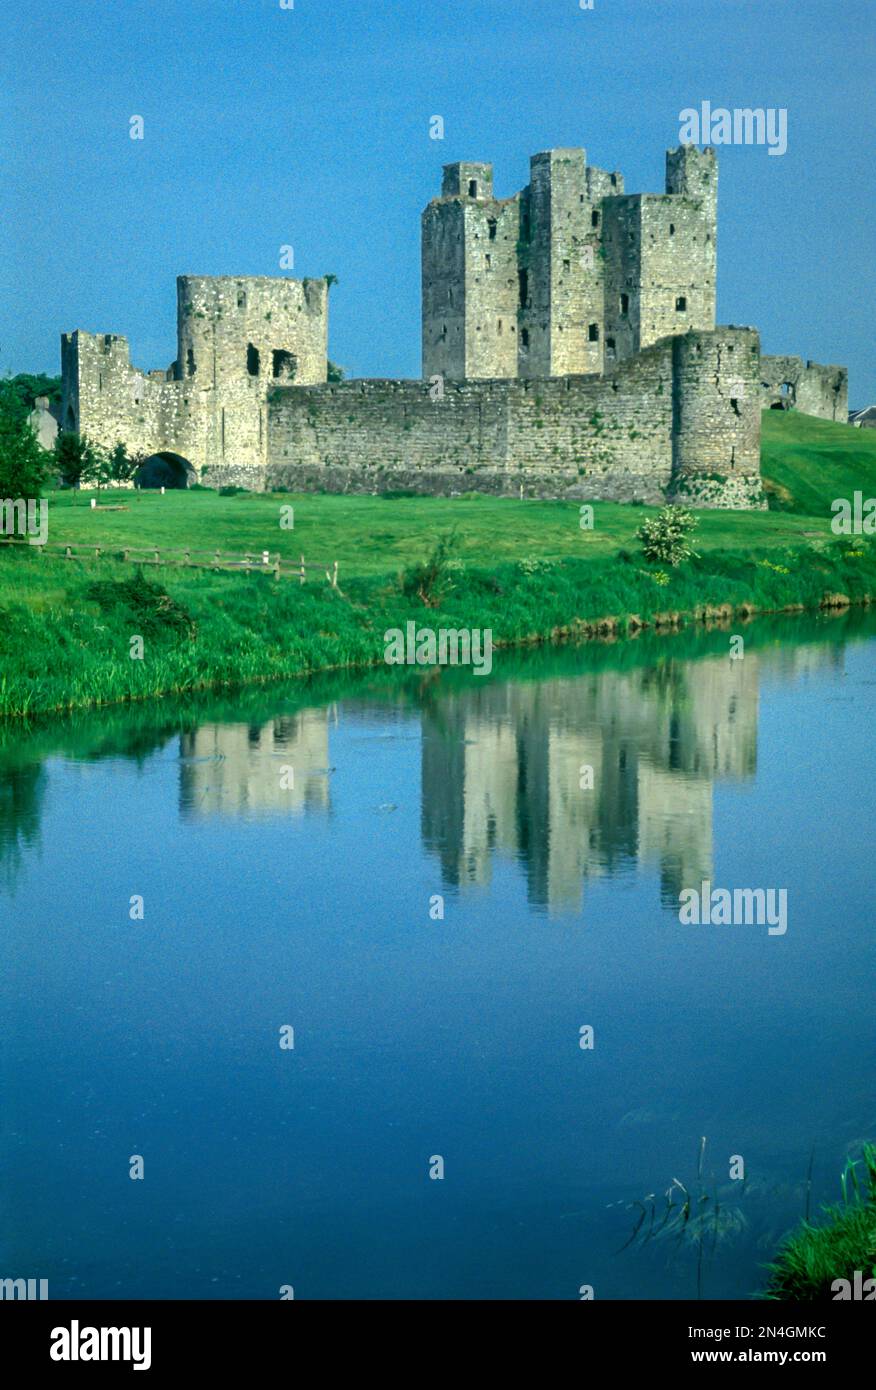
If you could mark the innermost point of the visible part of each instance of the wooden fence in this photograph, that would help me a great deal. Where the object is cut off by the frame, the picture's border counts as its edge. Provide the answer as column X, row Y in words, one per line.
column 249, row 562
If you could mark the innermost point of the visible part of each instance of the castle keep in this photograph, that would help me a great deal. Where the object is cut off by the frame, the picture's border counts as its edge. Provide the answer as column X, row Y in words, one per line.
column 569, row 350
column 570, row 276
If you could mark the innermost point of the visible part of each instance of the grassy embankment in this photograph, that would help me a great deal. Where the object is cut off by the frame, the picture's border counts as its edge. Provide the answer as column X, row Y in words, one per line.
column 524, row 569
column 814, row 1256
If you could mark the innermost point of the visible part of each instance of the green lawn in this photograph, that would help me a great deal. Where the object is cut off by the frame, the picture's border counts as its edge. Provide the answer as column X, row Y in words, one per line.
column 806, row 463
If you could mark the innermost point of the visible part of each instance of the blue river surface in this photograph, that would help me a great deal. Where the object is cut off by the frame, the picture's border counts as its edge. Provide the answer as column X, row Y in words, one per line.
column 322, row 960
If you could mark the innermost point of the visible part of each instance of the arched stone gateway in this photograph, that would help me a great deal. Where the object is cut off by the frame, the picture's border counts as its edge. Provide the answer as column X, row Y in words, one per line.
column 165, row 470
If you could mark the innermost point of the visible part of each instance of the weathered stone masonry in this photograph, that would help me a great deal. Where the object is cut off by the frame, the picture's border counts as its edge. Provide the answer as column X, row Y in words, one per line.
column 237, row 337
column 789, row 383
column 683, row 416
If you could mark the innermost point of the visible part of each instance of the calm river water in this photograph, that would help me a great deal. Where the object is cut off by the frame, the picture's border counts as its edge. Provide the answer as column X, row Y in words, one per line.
column 294, row 850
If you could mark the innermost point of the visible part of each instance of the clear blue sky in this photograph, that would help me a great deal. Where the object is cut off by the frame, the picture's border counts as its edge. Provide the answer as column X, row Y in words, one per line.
column 310, row 127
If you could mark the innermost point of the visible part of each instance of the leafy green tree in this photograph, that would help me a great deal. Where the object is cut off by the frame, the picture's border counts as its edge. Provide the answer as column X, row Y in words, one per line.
column 122, row 465
column 23, row 464
column 76, row 458
column 334, row 372
column 18, row 393
column 101, row 471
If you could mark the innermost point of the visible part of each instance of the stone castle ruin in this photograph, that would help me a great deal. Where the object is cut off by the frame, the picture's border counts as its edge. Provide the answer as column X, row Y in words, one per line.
column 569, row 350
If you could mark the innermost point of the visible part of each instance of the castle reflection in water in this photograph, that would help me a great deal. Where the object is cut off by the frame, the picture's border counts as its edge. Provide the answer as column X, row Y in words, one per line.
column 506, row 769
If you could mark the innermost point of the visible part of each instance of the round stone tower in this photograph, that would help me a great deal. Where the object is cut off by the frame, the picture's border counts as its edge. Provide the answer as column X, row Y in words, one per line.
column 716, row 419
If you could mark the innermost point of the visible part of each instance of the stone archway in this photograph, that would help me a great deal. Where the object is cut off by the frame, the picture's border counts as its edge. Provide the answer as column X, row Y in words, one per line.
column 165, row 469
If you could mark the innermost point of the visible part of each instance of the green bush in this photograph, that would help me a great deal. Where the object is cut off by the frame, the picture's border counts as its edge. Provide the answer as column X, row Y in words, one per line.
column 149, row 606
column 664, row 536
column 431, row 580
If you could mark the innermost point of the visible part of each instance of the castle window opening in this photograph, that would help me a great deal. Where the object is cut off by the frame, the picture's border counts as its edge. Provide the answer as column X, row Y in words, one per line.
column 787, row 388
column 594, row 219
column 241, row 299
column 524, row 337
column 614, row 180
column 672, row 229
column 190, row 362
column 680, row 304
column 566, row 267
column 499, row 327
column 491, row 225
column 593, row 333
column 523, row 280
column 284, row 365
column 625, row 303
column 734, row 405
column 489, row 261
column 472, row 188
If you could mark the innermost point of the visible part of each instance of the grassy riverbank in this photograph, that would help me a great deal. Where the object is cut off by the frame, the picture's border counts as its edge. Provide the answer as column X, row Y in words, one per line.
column 66, row 627
column 526, row 570
column 842, row 1246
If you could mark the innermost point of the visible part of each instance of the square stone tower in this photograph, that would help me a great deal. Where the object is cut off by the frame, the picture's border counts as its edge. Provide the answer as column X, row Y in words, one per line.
column 571, row 275
column 237, row 338
column 470, row 277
